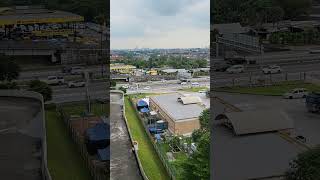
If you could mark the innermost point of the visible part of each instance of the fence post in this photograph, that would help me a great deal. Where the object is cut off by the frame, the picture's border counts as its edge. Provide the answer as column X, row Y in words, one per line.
column 286, row 76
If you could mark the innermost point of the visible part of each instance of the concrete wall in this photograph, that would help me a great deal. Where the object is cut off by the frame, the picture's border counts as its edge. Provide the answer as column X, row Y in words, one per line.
column 40, row 117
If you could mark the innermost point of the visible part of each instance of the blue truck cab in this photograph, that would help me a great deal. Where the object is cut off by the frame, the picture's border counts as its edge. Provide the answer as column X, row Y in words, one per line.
column 313, row 102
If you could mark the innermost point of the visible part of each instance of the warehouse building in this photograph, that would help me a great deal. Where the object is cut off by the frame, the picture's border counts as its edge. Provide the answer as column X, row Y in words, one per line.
column 180, row 111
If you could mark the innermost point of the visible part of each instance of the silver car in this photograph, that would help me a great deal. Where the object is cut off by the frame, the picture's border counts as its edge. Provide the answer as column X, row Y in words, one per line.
column 296, row 93
column 73, row 84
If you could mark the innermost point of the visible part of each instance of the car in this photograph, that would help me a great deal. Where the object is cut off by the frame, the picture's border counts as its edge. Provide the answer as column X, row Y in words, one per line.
column 220, row 67
column 272, row 69
column 296, row 93
column 125, row 86
column 195, row 84
column 184, row 83
column 54, row 80
column 235, row 69
column 79, row 83
column 202, row 91
column 147, row 88
column 76, row 70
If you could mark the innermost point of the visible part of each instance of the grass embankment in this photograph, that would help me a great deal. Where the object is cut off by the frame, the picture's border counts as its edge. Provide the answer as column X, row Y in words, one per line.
column 194, row 89
column 274, row 90
column 150, row 161
column 64, row 159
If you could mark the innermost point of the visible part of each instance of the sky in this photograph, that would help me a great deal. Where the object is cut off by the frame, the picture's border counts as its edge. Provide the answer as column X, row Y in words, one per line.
column 159, row 24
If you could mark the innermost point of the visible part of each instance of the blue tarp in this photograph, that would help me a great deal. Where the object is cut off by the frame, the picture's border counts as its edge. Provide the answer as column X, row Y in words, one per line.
column 104, row 154
column 157, row 136
column 144, row 110
column 142, row 103
column 100, row 131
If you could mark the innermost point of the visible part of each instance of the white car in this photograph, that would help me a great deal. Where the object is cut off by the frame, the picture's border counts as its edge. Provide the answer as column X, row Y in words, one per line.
column 76, row 70
column 272, row 70
column 236, row 69
column 73, row 84
column 202, row 91
column 53, row 80
column 184, row 83
column 195, row 84
column 296, row 93
column 147, row 88
column 125, row 86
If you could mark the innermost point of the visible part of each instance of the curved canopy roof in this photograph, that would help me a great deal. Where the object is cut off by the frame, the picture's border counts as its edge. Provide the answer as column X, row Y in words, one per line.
column 249, row 122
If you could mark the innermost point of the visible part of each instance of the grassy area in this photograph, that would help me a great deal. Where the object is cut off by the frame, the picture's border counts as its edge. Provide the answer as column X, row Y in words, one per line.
column 79, row 108
column 276, row 90
column 194, row 89
column 151, row 163
column 64, row 159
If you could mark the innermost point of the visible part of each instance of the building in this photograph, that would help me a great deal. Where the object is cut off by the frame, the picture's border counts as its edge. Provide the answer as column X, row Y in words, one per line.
column 122, row 68
column 181, row 112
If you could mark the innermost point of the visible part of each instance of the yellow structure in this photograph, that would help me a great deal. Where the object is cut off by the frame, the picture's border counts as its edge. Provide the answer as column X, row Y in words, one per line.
column 30, row 15
column 152, row 72
column 122, row 68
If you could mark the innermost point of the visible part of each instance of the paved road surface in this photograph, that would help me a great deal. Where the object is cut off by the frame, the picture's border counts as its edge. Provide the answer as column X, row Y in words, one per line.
column 123, row 163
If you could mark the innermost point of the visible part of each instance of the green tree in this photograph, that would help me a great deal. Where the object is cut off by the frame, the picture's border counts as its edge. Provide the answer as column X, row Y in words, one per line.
column 41, row 87
column 124, row 90
column 197, row 166
column 113, row 83
column 205, row 119
column 9, row 69
column 306, row 166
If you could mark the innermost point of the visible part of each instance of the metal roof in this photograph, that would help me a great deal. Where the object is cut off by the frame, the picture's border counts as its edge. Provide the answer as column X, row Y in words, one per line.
column 190, row 100
column 176, row 110
column 248, row 122
column 231, row 28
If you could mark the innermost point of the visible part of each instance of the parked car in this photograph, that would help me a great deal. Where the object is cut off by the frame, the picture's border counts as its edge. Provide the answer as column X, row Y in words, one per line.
column 125, row 86
column 195, row 84
column 236, row 69
column 79, row 83
column 203, row 91
column 272, row 69
column 184, row 83
column 76, row 70
column 313, row 102
column 221, row 67
column 296, row 93
column 54, row 80
column 147, row 88
column 66, row 69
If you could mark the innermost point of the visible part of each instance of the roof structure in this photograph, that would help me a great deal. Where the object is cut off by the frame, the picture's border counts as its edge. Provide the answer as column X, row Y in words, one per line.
column 142, row 103
column 190, row 100
column 100, row 131
column 231, row 28
column 258, row 121
column 104, row 154
column 32, row 15
column 176, row 110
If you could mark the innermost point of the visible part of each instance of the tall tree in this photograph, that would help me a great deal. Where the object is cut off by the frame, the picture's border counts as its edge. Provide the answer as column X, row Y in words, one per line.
column 9, row 69
column 306, row 166
column 41, row 87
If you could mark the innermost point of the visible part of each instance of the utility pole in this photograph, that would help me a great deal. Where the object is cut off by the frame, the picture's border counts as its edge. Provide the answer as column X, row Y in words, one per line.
column 86, row 75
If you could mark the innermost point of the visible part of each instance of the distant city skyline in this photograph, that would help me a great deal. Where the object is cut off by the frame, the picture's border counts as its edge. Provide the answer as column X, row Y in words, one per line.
column 164, row 24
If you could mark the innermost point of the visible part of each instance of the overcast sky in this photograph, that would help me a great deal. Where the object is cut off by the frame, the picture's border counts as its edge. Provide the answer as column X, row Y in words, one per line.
column 160, row 23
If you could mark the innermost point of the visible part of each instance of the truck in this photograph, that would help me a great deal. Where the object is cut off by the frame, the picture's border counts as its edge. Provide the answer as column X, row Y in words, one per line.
column 313, row 102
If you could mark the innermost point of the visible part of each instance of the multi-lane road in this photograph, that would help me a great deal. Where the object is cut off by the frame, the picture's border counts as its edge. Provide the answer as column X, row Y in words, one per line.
column 98, row 89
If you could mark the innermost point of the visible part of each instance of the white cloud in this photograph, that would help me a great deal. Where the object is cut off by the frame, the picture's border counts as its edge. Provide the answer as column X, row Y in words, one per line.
column 160, row 23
